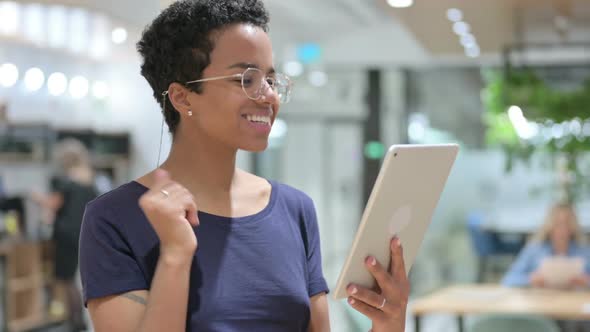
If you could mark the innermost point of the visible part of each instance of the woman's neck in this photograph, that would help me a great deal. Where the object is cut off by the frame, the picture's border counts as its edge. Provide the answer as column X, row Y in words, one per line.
column 560, row 248
column 202, row 167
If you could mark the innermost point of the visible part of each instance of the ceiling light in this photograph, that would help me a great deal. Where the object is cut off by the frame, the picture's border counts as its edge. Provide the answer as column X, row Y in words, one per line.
column 9, row 17
column 57, row 84
column 400, row 3
column 119, row 35
column 79, row 87
column 57, row 26
column 8, row 75
column 78, row 30
column 454, row 15
column 461, row 28
column 34, row 79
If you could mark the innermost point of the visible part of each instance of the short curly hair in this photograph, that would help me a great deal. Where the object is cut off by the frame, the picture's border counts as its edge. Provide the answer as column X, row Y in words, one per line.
column 177, row 45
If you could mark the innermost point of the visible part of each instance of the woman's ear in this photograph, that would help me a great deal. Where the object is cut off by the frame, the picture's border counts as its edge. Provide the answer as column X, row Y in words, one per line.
column 178, row 95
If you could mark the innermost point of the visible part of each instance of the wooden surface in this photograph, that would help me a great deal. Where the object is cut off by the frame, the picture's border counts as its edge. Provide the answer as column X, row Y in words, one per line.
column 24, row 285
column 478, row 299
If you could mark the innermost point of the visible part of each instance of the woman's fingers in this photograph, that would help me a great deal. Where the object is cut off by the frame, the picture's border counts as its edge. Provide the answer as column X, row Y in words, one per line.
column 365, row 309
column 397, row 267
column 383, row 278
column 369, row 297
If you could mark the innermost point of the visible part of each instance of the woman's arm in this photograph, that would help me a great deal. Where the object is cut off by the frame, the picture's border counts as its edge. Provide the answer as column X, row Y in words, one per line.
column 320, row 318
column 105, row 260
column 164, row 308
column 51, row 201
column 519, row 274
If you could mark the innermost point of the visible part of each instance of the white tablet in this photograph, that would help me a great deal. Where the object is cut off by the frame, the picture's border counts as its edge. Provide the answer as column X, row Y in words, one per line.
column 401, row 203
column 558, row 271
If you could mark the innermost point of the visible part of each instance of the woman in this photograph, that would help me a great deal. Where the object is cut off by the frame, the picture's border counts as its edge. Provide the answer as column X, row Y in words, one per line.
column 71, row 189
column 559, row 236
column 198, row 244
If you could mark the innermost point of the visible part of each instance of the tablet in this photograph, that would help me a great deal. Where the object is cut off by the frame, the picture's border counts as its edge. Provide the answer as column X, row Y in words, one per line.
column 401, row 203
column 558, row 271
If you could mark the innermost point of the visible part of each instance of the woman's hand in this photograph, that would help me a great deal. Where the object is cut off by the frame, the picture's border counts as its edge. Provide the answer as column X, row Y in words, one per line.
column 536, row 279
column 172, row 211
column 49, row 204
column 580, row 281
column 387, row 306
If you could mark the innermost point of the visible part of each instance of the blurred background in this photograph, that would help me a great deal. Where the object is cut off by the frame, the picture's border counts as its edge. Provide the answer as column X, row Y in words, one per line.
column 509, row 80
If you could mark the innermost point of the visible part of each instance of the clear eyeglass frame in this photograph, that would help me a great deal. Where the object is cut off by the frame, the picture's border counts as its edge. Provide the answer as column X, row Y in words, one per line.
column 254, row 82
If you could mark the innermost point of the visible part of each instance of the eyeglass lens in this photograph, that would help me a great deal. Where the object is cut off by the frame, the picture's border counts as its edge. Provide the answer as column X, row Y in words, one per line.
column 254, row 83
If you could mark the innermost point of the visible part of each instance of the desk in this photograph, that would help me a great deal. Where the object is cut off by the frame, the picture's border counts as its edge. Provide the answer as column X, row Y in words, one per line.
column 486, row 299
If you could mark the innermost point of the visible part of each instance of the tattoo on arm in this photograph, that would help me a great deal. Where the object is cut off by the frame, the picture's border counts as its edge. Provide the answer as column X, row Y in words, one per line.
column 135, row 298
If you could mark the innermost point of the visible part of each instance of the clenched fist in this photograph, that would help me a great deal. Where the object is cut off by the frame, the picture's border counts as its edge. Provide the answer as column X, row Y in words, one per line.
column 172, row 211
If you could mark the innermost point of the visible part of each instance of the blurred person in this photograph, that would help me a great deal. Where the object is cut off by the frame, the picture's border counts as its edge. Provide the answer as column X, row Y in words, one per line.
column 560, row 235
column 257, row 264
column 71, row 188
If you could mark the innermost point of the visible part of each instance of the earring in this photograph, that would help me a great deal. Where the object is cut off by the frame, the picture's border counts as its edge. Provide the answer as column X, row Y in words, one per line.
column 190, row 113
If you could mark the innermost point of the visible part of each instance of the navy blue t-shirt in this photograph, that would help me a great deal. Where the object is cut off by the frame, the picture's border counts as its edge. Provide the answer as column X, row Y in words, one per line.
column 254, row 273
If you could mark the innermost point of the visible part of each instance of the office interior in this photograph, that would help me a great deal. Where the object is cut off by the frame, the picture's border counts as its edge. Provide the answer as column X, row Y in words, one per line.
column 506, row 80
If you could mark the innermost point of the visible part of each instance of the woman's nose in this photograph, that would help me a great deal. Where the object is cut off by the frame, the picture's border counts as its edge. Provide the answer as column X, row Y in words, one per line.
column 268, row 94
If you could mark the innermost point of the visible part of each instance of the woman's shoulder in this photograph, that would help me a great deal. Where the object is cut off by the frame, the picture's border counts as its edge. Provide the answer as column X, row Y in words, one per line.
column 288, row 190
column 115, row 218
column 537, row 247
column 581, row 248
column 283, row 190
column 290, row 193
column 122, row 197
column 294, row 200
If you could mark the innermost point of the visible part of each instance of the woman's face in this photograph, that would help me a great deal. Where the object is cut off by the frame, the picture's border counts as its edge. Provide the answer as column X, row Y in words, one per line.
column 561, row 231
column 221, row 113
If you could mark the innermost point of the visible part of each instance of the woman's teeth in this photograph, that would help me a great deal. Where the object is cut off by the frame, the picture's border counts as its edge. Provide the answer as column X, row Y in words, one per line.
column 258, row 118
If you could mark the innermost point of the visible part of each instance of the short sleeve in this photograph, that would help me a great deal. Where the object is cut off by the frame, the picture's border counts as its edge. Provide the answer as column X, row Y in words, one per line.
column 316, row 281
column 107, row 264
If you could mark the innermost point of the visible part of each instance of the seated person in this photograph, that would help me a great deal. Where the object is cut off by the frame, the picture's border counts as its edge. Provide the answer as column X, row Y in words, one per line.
column 559, row 236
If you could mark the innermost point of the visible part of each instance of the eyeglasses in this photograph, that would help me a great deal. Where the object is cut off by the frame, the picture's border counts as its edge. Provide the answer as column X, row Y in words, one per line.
column 254, row 82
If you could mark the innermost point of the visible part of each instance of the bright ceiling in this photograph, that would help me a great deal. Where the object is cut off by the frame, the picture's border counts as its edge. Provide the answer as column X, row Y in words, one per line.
column 369, row 32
